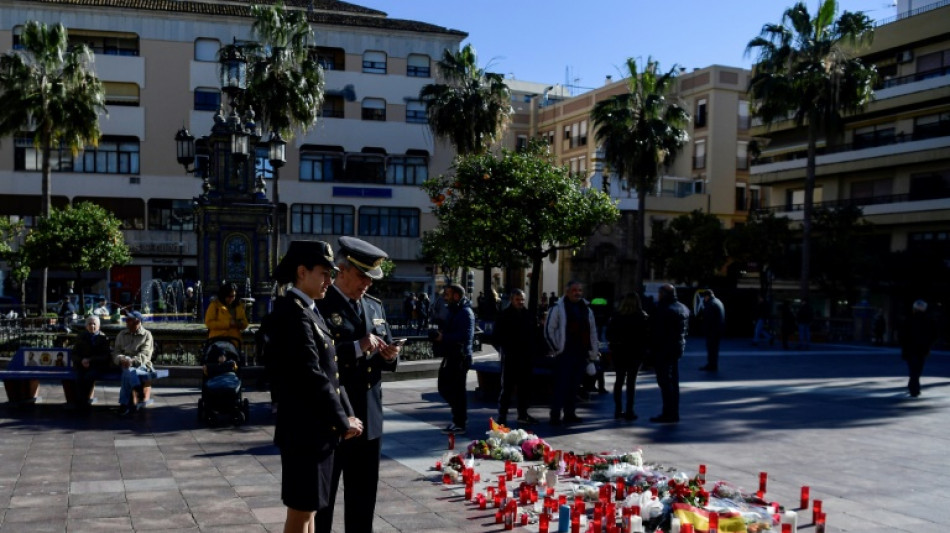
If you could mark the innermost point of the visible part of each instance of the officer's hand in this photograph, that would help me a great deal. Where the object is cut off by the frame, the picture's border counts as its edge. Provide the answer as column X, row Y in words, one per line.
column 356, row 428
column 390, row 352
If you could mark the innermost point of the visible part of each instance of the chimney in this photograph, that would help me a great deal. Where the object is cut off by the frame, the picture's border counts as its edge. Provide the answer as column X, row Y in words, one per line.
column 609, row 80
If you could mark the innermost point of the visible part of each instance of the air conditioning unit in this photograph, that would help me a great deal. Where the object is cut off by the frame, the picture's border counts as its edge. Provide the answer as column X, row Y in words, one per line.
column 905, row 56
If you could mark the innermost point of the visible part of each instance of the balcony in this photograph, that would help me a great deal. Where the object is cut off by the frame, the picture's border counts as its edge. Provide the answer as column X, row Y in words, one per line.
column 871, row 205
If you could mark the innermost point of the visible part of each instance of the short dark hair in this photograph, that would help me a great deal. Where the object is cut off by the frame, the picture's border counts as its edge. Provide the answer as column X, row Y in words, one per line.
column 226, row 289
column 456, row 288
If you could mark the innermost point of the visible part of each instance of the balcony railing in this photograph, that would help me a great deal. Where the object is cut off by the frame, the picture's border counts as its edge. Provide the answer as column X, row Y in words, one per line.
column 911, row 13
column 911, row 78
column 859, row 202
column 920, row 134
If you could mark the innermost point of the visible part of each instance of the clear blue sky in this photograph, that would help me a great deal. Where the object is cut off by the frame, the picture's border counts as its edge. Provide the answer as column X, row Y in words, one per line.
column 558, row 40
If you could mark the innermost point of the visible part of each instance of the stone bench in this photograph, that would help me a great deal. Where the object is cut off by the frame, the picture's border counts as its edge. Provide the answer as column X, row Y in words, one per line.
column 29, row 366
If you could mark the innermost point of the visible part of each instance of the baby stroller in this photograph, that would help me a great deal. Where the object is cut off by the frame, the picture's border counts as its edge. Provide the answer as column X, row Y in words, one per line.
column 221, row 389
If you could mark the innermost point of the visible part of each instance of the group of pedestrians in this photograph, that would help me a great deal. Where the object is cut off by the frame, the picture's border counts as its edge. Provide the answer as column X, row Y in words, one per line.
column 417, row 310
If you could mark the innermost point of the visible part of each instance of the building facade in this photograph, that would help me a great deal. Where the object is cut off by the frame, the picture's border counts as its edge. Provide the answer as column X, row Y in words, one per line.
column 356, row 173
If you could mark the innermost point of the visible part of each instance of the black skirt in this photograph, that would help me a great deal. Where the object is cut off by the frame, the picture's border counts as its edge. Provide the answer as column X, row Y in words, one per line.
column 305, row 479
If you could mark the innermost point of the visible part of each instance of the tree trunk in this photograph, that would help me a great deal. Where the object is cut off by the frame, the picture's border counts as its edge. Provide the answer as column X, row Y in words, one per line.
column 803, row 288
column 44, row 212
column 641, row 238
column 535, row 284
column 486, row 280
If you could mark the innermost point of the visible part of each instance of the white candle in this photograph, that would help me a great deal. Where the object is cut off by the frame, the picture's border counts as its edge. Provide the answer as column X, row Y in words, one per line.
column 674, row 525
column 791, row 517
column 636, row 524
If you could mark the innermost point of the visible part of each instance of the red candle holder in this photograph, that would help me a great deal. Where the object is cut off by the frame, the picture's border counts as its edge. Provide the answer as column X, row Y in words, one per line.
column 713, row 522
column 805, row 497
column 815, row 511
column 763, row 481
column 451, row 441
column 686, row 528
column 482, row 502
column 820, row 523
column 524, row 519
column 446, row 479
column 438, row 465
column 497, row 517
column 702, row 474
column 786, row 528
column 544, row 522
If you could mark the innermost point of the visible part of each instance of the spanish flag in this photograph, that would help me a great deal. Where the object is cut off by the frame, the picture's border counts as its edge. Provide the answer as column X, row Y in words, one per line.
column 728, row 522
column 495, row 426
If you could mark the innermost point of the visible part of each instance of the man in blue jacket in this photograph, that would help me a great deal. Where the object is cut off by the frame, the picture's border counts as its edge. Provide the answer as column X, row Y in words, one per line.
column 453, row 343
column 669, row 324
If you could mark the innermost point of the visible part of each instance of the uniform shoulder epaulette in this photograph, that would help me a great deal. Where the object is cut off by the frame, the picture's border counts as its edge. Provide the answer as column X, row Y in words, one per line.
column 371, row 297
column 300, row 303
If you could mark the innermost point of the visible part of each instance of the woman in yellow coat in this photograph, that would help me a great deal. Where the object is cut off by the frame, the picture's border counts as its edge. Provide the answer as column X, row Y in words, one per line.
column 224, row 316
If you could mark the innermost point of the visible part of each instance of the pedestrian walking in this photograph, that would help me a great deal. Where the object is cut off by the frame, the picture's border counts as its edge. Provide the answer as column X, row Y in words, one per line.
column 788, row 323
column 453, row 344
column 917, row 336
column 714, row 324
column 516, row 331
column 571, row 334
column 668, row 327
column 763, row 316
column 804, row 319
column 314, row 414
column 627, row 338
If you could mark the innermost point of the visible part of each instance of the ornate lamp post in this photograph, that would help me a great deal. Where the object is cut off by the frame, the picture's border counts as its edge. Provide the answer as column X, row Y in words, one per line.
column 277, row 155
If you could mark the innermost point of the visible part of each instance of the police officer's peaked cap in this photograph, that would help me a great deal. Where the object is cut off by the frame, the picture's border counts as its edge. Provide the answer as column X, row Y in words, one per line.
column 304, row 253
column 363, row 255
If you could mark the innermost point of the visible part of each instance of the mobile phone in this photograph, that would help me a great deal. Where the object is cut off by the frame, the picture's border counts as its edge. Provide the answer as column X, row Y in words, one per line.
column 399, row 342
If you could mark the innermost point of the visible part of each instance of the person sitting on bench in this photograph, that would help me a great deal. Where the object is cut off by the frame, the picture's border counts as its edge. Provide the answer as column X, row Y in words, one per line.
column 133, row 348
column 91, row 357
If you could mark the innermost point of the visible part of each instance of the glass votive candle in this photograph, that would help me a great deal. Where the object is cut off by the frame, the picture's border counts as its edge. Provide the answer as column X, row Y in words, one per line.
column 815, row 511
column 544, row 522
column 805, row 496
column 763, row 481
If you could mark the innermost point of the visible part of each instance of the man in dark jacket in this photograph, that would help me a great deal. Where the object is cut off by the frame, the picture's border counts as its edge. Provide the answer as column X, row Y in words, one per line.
column 364, row 349
column 516, row 331
column 669, row 324
column 714, row 323
column 917, row 335
column 453, row 343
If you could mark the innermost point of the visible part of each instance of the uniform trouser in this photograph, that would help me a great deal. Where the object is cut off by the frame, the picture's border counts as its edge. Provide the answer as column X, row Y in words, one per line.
column 515, row 375
column 712, row 350
column 668, row 379
column 569, row 369
column 357, row 460
column 915, row 367
column 452, row 376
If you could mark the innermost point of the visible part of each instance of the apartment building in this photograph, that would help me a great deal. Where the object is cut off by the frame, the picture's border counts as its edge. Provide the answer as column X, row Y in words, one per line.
column 356, row 173
column 710, row 174
column 892, row 159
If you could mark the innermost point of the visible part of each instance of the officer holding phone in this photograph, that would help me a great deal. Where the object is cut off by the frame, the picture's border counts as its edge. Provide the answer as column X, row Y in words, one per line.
column 365, row 348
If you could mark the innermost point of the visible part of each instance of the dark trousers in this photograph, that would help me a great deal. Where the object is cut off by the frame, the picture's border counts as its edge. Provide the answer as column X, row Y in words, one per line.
column 712, row 350
column 915, row 367
column 668, row 379
column 85, row 381
column 358, row 461
column 569, row 369
column 627, row 371
column 515, row 375
column 452, row 375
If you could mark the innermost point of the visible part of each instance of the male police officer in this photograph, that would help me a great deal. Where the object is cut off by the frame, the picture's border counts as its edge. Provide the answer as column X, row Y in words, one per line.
column 365, row 348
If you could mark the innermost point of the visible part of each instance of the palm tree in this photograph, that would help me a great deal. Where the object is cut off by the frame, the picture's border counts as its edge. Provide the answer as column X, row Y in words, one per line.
column 48, row 86
column 641, row 130
column 805, row 69
column 472, row 107
column 470, row 110
column 285, row 81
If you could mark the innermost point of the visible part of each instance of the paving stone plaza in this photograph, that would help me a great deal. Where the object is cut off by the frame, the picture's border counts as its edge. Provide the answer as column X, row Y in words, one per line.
column 836, row 418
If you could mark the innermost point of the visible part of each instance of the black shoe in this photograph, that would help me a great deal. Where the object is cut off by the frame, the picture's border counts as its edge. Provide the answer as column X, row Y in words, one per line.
column 630, row 416
column 573, row 419
column 708, row 368
column 124, row 410
column 664, row 419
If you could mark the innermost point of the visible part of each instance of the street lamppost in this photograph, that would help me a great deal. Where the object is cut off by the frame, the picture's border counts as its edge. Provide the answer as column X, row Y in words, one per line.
column 277, row 155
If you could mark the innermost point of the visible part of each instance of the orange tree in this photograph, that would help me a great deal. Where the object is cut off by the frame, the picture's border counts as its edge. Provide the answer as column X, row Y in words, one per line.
column 511, row 210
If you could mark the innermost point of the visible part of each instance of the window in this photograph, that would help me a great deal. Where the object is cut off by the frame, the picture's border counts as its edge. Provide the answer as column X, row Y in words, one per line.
column 27, row 157
column 262, row 166
column 417, row 66
column 755, row 198
column 374, row 109
column 744, row 121
column 871, row 188
column 330, row 58
column 582, row 141
column 410, row 169
column 17, row 33
column 522, row 143
column 795, row 198
column 121, row 94
column 332, row 106
column 116, row 156
column 416, row 112
column 170, row 215
column 368, row 166
column 871, row 136
column 742, row 155
column 374, row 62
column 321, row 166
column 567, row 133
column 930, row 126
column 933, row 64
column 700, row 119
column 111, row 43
column 741, row 198
column 699, row 154
column 207, row 49
column 575, row 134
column 929, row 186
column 207, row 99
column 322, row 219
column 389, row 222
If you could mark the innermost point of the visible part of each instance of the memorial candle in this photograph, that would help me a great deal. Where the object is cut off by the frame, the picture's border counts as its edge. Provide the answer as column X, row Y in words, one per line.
column 820, row 523
column 790, row 518
column 438, row 465
column 805, row 497
column 702, row 474
column 498, row 517
column 524, row 519
column 786, row 528
column 815, row 511
column 543, row 523
column 713, row 522
column 451, row 441
column 621, row 485
column 763, row 479
column 482, row 502
column 446, row 479
column 563, row 518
